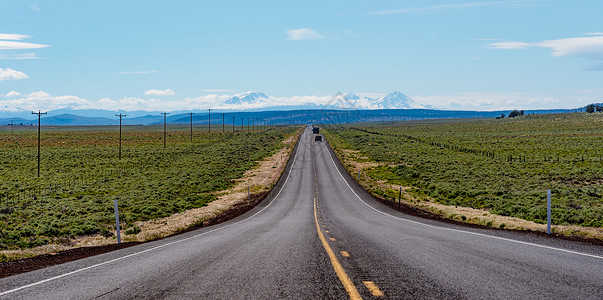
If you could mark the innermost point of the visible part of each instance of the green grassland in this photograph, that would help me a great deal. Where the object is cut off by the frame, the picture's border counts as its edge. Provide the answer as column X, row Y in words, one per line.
column 504, row 166
column 81, row 175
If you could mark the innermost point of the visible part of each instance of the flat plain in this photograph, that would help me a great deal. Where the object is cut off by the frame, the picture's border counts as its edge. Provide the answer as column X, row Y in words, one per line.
column 81, row 175
column 500, row 166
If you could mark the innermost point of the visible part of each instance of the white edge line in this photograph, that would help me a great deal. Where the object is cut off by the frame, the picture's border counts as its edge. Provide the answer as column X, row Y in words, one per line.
column 451, row 229
column 157, row 247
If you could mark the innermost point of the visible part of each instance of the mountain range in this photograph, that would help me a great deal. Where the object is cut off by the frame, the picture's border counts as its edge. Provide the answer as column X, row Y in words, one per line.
column 341, row 101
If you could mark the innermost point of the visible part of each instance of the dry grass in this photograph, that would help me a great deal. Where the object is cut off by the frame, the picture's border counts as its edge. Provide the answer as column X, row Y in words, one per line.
column 260, row 179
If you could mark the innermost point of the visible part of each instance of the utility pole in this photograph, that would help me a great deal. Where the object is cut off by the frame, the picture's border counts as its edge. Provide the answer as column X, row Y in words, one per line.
column 120, row 115
column 223, row 123
column 242, row 124
column 12, row 127
column 164, row 127
column 248, row 123
column 233, row 118
column 191, row 114
column 39, row 116
column 209, row 120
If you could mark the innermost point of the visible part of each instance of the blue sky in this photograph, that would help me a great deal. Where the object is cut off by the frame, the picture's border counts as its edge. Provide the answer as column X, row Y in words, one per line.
column 169, row 55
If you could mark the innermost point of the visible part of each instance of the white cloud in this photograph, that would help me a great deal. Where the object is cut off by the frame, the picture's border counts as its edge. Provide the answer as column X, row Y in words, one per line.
column 41, row 100
column 166, row 92
column 590, row 47
column 35, row 6
column 9, row 41
column 10, row 74
column 19, row 56
column 12, row 94
column 509, row 45
column 303, row 34
column 12, row 45
column 499, row 101
column 135, row 72
column 13, row 36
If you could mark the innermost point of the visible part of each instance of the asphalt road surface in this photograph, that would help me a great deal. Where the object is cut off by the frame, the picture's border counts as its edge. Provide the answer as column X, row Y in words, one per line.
column 319, row 236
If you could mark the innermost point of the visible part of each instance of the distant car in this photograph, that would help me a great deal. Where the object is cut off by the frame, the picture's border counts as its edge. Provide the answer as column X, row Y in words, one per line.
column 318, row 138
column 315, row 130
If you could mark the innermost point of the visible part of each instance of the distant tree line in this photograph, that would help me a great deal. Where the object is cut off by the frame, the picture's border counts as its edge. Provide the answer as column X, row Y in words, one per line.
column 591, row 108
column 513, row 114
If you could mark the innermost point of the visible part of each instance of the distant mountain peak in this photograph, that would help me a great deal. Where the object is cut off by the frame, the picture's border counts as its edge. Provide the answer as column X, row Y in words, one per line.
column 395, row 100
column 249, row 97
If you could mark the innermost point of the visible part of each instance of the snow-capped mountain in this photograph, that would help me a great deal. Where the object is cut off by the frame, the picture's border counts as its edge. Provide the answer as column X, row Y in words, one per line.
column 394, row 100
column 248, row 98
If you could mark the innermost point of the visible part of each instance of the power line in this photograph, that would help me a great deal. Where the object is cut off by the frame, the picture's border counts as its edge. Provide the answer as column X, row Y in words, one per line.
column 39, row 116
column 120, row 115
column 164, row 127
column 209, row 121
column 191, row 114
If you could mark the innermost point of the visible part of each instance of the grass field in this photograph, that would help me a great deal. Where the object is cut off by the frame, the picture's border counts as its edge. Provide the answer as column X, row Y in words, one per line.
column 503, row 166
column 81, row 175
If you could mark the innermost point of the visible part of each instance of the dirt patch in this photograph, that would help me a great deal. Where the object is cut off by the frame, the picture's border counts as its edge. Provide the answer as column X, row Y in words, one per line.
column 230, row 204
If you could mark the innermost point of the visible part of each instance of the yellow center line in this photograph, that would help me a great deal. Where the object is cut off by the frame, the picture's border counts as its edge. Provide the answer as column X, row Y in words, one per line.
column 373, row 288
column 332, row 239
column 345, row 254
column 341, row 274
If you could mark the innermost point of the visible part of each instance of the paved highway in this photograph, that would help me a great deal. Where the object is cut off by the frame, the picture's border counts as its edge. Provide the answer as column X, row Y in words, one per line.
column 319, row 236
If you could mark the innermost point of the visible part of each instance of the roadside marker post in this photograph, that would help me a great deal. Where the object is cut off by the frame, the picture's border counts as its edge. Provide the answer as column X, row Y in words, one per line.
column 399, row 197
column 248, row 194
column 117, row 222
column 548, row 211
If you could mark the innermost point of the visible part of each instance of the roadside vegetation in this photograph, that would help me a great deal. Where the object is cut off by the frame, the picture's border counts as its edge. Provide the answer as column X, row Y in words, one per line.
column 81, row 175
column 501, row 166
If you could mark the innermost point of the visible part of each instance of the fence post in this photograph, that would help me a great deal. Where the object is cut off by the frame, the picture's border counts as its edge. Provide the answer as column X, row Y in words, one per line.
column 248, row 194
column 117, row 222
column 548, row 211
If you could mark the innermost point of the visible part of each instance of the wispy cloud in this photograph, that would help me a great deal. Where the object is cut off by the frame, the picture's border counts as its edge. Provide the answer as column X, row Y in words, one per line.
column 10, row 74
column 135, row 72
column 166, row 92
column 458, row 6
column 19, row 56
column 303, row 34
column 590, row 47
column 35, row 6
column 13, row 36
column 350, row 33
column 10, row 41
column 217, row 91
column 438, row 7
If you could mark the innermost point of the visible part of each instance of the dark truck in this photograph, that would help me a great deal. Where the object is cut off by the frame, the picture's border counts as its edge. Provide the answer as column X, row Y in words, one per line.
column 318, row 138
column 315, row 130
